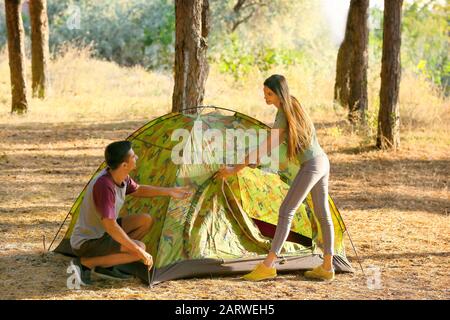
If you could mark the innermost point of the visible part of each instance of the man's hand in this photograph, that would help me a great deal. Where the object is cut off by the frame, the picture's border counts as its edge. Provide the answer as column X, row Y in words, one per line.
column 180, row 192
column 227, row 171
column 147, row 259
column 118, row 234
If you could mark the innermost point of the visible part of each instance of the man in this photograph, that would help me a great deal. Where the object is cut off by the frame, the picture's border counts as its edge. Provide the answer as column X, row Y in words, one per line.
column 100, row 239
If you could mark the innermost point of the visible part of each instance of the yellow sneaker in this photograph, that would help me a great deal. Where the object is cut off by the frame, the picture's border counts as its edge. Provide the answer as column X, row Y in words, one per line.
column 320, row 274
column 261, row 272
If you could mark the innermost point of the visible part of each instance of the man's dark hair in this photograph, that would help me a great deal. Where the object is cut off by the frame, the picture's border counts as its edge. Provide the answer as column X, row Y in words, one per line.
column 116, row 153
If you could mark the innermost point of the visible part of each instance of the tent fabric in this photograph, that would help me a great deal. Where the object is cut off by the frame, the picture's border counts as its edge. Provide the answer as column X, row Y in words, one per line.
column 227, row 225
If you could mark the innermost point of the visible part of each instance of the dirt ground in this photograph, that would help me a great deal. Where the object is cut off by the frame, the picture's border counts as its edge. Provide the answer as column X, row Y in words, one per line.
column 395, row 205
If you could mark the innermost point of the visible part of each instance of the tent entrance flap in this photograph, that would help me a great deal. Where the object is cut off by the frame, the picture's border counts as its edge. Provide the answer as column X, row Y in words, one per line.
column 268, row 230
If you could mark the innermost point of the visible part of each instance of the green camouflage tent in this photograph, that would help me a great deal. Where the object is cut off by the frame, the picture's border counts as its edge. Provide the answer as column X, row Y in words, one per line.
column 227, row 226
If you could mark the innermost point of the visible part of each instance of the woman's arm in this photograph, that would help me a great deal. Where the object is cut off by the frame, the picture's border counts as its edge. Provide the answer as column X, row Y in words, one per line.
column 271, row 144
column 255, row 154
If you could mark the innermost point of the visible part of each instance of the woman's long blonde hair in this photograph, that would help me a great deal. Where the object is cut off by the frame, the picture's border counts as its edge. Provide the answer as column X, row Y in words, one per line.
column 299, row 124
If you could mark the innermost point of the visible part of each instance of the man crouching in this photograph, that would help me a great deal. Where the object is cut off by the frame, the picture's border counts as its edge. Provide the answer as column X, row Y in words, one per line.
column 100, row 239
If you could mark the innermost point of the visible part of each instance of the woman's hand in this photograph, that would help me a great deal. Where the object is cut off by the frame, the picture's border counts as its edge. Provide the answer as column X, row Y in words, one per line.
column 180, row 192
column 227, row 171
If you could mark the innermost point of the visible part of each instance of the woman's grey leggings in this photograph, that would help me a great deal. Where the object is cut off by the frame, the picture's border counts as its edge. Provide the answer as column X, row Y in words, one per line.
column 312, row 177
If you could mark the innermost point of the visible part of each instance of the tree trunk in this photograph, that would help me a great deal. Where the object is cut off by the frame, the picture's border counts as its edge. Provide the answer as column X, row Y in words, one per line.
column 39, row 47
column 343, row 63
column 16, row 51
column 357, row 99
column 389, row 117
column 192, row 23
column 341, row 85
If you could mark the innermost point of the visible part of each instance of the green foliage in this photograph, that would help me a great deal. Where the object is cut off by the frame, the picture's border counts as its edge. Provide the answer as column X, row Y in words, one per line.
column 375, row 35
column 2, row 26
column 239, row 58
column 424, row 49
column 235, row 58
column 425, row 40
column 279, row 33
column 225, row 17
column 127, row 32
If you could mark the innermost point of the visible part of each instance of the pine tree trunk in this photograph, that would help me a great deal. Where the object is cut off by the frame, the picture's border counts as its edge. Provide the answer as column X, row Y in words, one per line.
column 389, row 117
column 341, row 85
column 192, row 23
column 357, row 99
column 39, row 47
column 16, row 51
column 343, row 63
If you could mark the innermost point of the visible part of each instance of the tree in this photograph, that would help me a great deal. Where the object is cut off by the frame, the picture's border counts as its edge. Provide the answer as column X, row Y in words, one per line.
column 16, row 51
column 351, row 68
column 357, row 99
column 388, row 136
column 244, row 10
column 231, row 15
column 341, row 85
column 39, row 47
column 192, row 22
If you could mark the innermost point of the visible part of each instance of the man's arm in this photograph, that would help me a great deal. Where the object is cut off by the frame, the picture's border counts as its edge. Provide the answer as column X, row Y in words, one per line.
column 150, row 191
column 117, row 233
column 145, row 191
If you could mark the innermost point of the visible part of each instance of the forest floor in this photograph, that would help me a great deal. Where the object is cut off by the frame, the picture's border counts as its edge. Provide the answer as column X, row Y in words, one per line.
column 396, row 206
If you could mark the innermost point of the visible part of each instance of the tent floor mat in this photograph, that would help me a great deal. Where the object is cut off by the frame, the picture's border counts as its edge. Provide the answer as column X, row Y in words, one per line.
column 216, row 267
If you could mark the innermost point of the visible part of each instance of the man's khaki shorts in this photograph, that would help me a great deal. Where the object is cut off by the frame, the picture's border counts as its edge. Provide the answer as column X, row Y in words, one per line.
column 103, row 246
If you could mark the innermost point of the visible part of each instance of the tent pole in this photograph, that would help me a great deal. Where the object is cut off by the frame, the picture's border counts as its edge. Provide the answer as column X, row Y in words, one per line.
column 350, row 238
column 150, row 279
column 60, row 227
column 356, row 253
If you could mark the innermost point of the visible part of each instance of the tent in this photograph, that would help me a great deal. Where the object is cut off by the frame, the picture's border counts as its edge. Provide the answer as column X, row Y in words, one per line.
column 227, row 225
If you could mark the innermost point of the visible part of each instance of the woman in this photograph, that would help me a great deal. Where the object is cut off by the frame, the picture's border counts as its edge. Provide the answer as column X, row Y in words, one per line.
column 293, row 123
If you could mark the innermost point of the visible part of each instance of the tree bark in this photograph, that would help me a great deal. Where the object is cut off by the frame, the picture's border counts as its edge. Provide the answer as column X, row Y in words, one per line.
column 341, row 85
column 192, row 24
column 39, row 47
column 350, row 89
column 357, row 100
column 16, row 51
column 343, row 63
column 388, row 136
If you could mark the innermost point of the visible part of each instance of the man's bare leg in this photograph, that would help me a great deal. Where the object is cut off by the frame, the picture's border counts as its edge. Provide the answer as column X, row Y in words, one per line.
column 123, row 257
column 137, row 226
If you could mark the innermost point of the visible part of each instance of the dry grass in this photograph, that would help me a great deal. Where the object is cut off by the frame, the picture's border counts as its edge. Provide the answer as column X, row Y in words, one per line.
column 82, row 89
column 396, row 205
